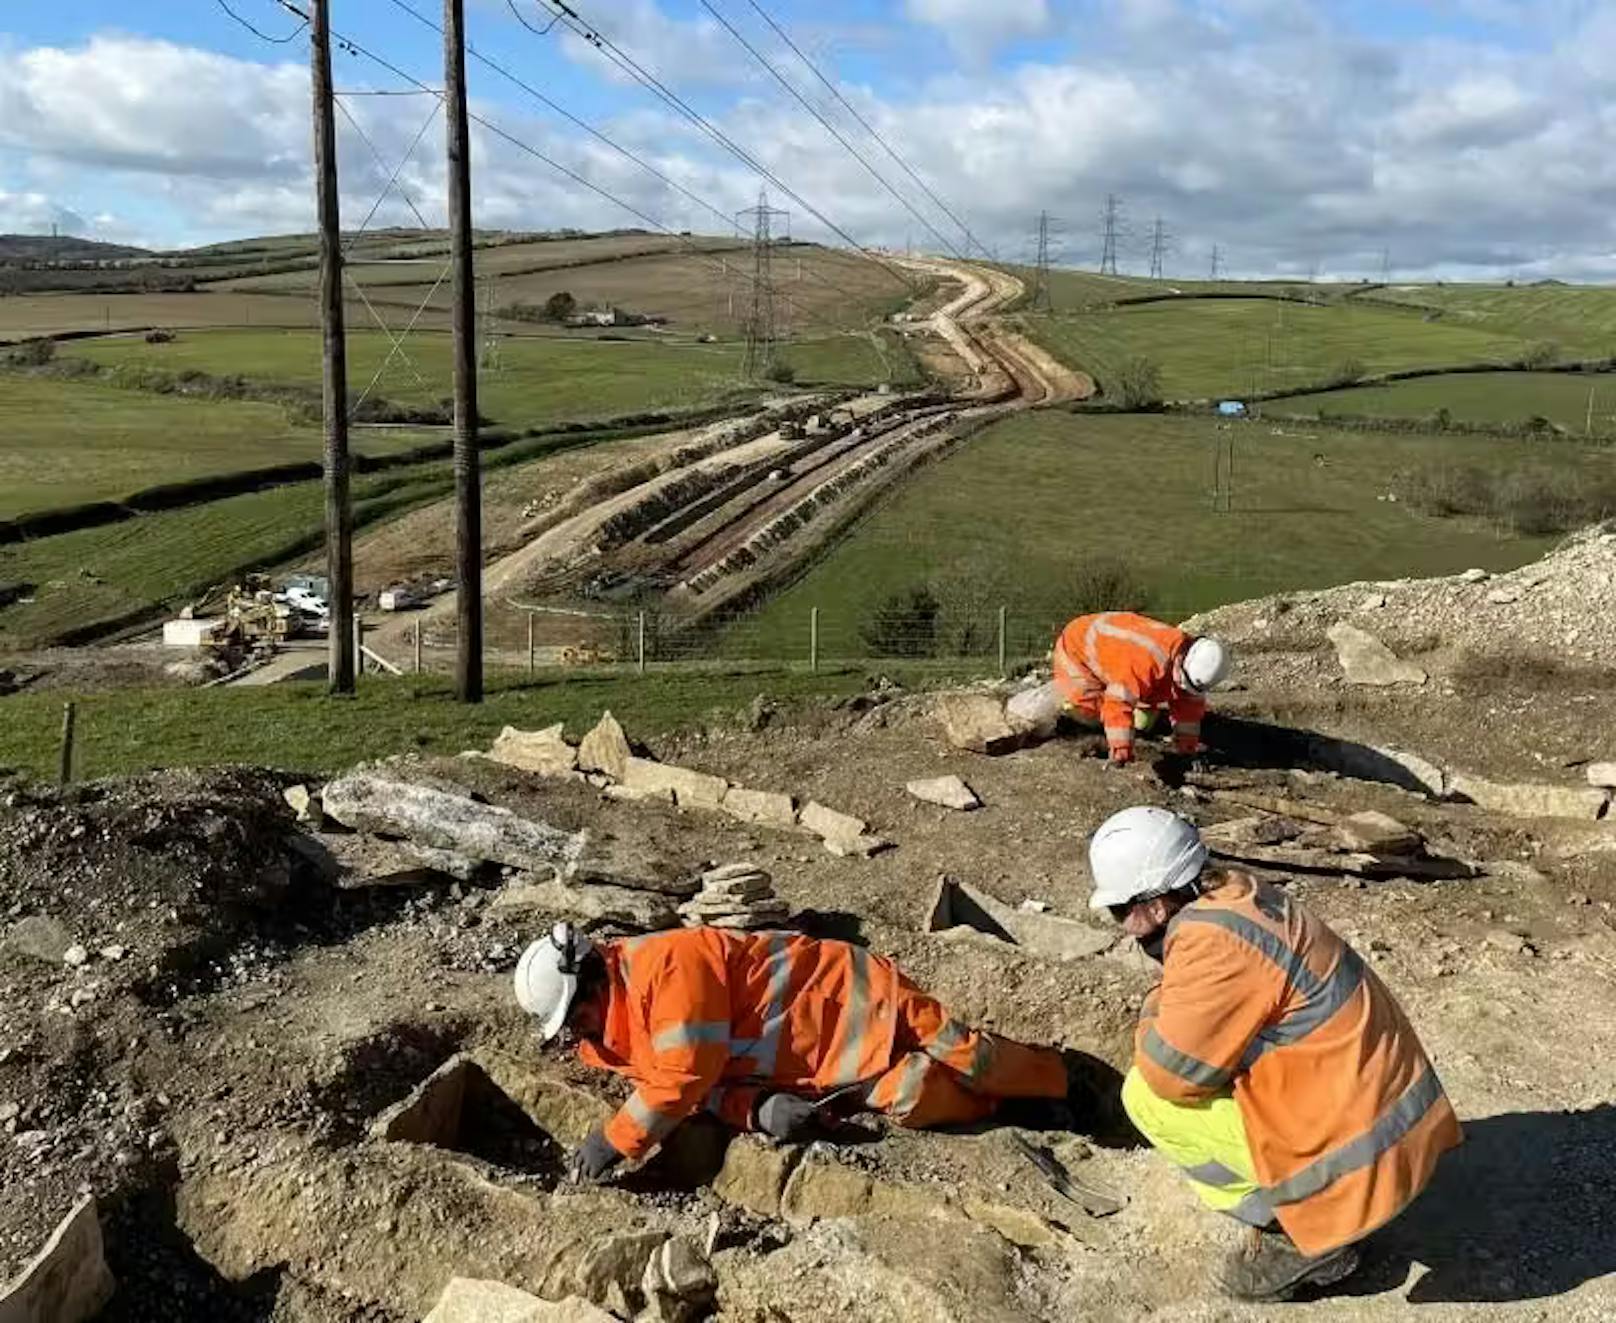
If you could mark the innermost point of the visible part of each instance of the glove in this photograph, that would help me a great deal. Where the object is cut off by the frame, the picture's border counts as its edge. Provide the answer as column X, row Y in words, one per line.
column 786, row 1118
column 593, row 1160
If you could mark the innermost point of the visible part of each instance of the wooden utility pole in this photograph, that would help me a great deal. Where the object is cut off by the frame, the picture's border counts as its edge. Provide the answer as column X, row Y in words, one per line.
column 338, row 510
column 468, row 480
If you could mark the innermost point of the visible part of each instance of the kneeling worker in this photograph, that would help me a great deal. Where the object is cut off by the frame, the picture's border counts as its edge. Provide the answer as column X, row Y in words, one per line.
column 1270, row 1063
column 1117, row 666
column 758, row 1028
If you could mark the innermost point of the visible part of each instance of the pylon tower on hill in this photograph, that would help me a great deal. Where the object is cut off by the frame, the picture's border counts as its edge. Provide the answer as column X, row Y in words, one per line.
column 760, row 321
column 1161, row 243
column 1040, row 282
column 1111, row 228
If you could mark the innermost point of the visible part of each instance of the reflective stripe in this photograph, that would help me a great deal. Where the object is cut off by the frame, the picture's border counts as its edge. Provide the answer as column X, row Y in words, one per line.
column 1104, row 626
column 765, row 1050
column 1254, row 1210
column 1328, row 998
column 690, row 1033
column 1119, row 734
column 1122, row 692
column 1253, row 934
column 625, row 949
column 948, row 1038
column 858, row 1009
column 1186, row 728
column 907, row 1096
column 1182, row 1064
column 654, row 1123
column 1086, row 683
column 1215, row 1174
column 1395, row 1122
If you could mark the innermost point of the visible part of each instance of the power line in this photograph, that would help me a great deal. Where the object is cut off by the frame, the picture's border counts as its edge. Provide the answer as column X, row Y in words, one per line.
column 970, row 239
column 539, row 32
column 760, row 324
column 1161, row 243
column 645, row 78
column 354, row 48
column 263, row 36
column 1040, row 290
column 829, row 128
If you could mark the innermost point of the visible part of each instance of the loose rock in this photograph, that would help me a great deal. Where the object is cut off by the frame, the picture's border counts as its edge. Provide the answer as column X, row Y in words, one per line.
column 829, row 823
column 39, row 938
column 761, row 806
column 542, row 752
column 605, row 748
column 1368, row 661
column 977, row 722
column 691, row 789
column 946, row 791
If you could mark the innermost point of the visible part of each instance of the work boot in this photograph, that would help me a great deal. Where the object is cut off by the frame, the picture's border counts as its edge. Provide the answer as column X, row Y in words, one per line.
column 1268, row 1266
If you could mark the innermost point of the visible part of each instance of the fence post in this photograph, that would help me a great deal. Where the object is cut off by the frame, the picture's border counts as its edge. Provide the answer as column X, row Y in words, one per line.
column 1003, row 655
column 69, row 716
column 813, row 638
column 642, row 642
column 530, row 657
column 417, row 645
column 358, row 645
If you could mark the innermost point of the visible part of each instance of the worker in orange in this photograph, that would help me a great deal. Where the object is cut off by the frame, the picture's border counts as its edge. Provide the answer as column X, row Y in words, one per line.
column 1120, row 668
column 763, row 1029
column 1270, row 1063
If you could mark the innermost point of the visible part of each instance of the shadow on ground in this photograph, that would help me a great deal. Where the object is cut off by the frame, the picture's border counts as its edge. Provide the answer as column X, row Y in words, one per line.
column 1524, row 1210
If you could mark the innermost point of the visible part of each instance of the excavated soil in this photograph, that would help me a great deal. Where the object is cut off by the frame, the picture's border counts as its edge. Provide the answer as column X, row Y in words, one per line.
column 213, row 1068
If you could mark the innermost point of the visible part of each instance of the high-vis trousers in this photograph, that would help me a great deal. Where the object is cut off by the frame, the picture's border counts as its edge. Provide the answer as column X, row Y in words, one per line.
column 1207, row 1141
column 944, row 1073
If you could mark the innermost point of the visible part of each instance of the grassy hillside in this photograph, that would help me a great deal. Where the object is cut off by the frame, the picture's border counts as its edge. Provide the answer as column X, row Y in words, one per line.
column 1209, row 348
column 70, row 442
column 1029, row 510
column 1484, row 397
column 1579, row 319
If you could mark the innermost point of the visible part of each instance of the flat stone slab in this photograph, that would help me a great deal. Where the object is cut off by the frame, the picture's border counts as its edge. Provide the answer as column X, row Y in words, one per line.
column 765, row 807
column 1602, row 775
column 691, row 789
column 945, row 791
column 956, row 904
column 369, row 861
column 68, row 1281
column 1377, row 833
column 1528, row 799
column 475, row 1300
column 649, row 910
column 1366, row 660
column 977, row 722
column 829, row 823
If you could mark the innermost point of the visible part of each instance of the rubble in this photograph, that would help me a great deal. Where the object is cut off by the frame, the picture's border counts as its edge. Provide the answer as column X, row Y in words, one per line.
column 1366, row 660
column 946, row 792
column 605, row 749
column 68, row 1281
column 542, row 752
column 735, row 896
column 365, row 801
column 977, row 723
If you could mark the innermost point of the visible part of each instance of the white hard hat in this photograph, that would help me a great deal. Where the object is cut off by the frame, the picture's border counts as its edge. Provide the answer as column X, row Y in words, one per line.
column 1206, row 664
column 547, row 976
column 1143, row 852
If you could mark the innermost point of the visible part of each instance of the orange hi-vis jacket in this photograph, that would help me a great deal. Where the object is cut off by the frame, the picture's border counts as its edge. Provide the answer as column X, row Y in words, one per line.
column 1344, row 1115
column 705, row 1016
column 1107, row 665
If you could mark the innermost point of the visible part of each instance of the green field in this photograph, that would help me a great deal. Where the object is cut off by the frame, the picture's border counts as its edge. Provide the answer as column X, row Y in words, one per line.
column 297, row 726
column 1569, row 400
column 1025, row 510
column 67, row 442
column 1211, row 348
column 538, row 380
column 1075, row 291
column 1579, row 319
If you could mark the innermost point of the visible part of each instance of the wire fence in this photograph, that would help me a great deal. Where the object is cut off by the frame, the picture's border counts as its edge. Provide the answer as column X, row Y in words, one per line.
column 636, row 640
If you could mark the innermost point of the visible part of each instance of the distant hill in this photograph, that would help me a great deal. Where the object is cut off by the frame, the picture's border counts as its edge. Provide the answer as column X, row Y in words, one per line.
column 62, row 248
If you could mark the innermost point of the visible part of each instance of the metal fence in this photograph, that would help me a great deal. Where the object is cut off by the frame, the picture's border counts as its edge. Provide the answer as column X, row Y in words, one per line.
column 640, row 640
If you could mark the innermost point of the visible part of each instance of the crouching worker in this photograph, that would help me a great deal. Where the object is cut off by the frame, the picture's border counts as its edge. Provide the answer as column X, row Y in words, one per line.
column 1270, row 1063
column 758, row 1027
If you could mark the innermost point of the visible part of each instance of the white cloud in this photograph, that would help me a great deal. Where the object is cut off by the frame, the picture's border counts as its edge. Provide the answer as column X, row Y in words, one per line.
column 975, row 28
column 673, row 50
column 35, row 213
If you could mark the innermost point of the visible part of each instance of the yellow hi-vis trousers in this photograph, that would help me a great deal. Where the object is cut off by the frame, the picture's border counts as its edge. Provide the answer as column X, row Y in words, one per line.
column 1207, row 1141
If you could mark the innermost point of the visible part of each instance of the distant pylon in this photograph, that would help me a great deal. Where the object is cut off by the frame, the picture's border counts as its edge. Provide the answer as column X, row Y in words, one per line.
column 760, row 322
column 1160, row 243
column 1217, row 261
column 488, row 358
column 1040, row 283
column 1111, row 220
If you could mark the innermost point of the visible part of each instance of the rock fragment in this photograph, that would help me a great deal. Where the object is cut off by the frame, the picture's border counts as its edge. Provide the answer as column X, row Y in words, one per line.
column 1529, row 799
column 75, row 956
column 1378, row 833
column 473, row 1300
column 38, row 937
column 829, row 823
column 1367, row 661
column 1602, row 775
column 542, row 752
column 976, row 722
column 947, row 792
column 605, row 749
column 735, row 896
column 305, row 803
column 861, row 846
column 649, row 910
column 691, row 789
column 765, row 807
column 68, row 1281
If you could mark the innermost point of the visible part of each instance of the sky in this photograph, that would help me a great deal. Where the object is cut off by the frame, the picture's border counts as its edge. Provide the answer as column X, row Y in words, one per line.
column 1454, row 139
